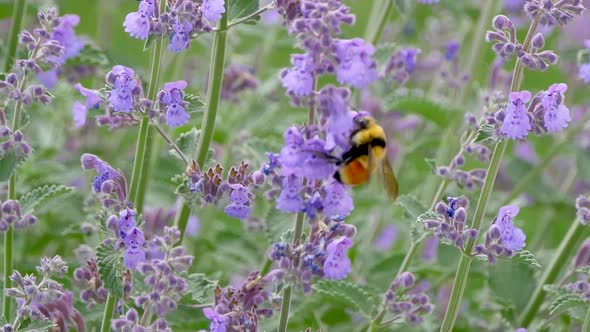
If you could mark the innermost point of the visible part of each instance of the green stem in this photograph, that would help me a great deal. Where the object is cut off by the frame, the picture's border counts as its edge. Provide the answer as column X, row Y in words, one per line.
column 565, row 250
column 18, row 11
column 482, row 203
column 17, row 19
column 213, row 96
column 379, row 14
column 586, row 326
column 108, row 313
column 249, row 17
column 286, row 303
column 139, row 152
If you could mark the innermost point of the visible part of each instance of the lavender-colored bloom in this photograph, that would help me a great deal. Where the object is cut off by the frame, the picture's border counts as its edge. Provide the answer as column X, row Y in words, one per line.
column 517, row 123
column 105, row 171
column 584, row 73
column 289, row 200
column 337, row 265
column 315, row 166
column 512, row 237
column 402, row 64
column 514, row 5
column 583, row 209
column 291, row 157
column 79, row 113
column 428, row 2
column 386, row 238
column 49, row 78
column 452, row 50
column 180, row 36
column 172, row 98
column 355, row 66
column 337, row 203
column 557, row 115
column 521, row 329
column 333, row 102
column 430, row 249
column 526, row 151
column 240, row 202
column 121, row 97
column 137, row 24
column 213, row 9
column 299, row 79
column 218, row 322
column 93, row 100
column 64, row 33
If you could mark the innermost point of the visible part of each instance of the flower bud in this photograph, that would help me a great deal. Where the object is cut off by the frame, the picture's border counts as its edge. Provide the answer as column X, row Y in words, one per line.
column 538, row 40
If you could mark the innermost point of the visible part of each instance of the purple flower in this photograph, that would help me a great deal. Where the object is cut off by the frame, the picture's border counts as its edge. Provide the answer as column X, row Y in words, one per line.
column 337, row 203
column 517, row 123
column 291, row 157
column 93, row 100
column 402, row 64
column 355, row 66
column 315, row 166
column 64, row 33
column 289, row 200
column 49, row 78
column 79, row 112
column 452, row 50
column 126, row 222
column 179, row 38
column 386, row 238
column 526, row 151
column 333, row 102
column 137, row 24
column 121, row 97
column 337, row 265
column 105, row 171
column 584, row 73
column 172, row 98
column 240, row 202
column 428, row 2
column 512, row 237
column 218, row 322
column 299, row 79
column 133, row 256
column 212, row 9
column 557, row 115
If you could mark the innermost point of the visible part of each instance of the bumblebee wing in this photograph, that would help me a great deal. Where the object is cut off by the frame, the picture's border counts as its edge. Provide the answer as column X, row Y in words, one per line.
column 389, row 179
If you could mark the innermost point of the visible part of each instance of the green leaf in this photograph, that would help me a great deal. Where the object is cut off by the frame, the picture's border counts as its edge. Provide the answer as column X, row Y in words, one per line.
column 201, row 288
column 36, row 325
column 512, row 282
column 91, row 54
column 241, row 8
column 439, row 112
column 110, row 269
column 431, row 164
column 196, row 103
column 187, row 143
column 528, row 258
column 8, row 164
column 366, row 304
column 584, row 269
column 277, row 224
column 39, row 195
column 411, row 206
column 564, row 302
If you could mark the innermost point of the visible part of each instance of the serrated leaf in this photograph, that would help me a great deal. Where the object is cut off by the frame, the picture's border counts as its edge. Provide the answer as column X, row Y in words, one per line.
column 411, row 206
column 91, row 54
column 8, row 163
column 39, row 195
column 564, row 302
column 511, row 282
column 109, row 269
column 276, row 225
column 367, row 304
column 439, row 112
column 187, row 142
column 528, row 258
column 201, row 288
column 196, row 103
column 29, row 325
column 241, row 8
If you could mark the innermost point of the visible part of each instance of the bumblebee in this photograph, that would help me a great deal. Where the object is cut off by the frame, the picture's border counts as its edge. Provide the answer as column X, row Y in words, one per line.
column 367, row 155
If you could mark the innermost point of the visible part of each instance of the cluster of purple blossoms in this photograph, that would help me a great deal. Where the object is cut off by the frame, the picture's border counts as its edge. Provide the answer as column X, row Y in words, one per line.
column 451, row 72
column 131, row 322
column 583, row 209
column 88, row 280
column 466, row 179
column 545, row 113
column 45, row 299
column 323, row 255
column 125, row 98
column 15, row 88
column 164, row 285
column 317, row 24
column 503, row 239
column 128, row 236
column 183, row 20
column 209, row 187
column 238, row 309
column 448, row 224
column 506, row 45
column 561, row 12
column 584, row 67
column 402, row 64
column 11, row 215
column 109, row 184
column 407, row 301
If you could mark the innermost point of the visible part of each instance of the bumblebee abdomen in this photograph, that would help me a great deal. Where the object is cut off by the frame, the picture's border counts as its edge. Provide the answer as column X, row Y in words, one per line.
column 354, row 172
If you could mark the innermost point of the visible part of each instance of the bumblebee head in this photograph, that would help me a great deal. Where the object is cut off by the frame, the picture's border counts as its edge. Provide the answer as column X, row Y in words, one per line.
column 364, row 121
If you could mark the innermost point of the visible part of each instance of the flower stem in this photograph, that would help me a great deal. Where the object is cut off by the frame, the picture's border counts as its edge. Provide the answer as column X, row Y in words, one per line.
column 380, row 12
column 482, row 203
column 18, row 11
column 108, row 313
column 286, row 303
column 213, row 96
column 17, row 19
column 251, row 16
column 560, row 258
column 586, row 326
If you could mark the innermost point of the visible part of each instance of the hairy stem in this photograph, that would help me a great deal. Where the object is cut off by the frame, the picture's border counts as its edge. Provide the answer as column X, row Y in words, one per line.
column 286, row 303
column 18, row 11
column 586, row 326
column 108, row 313
column 482, row 203
column 561, row 257
column 249, row 17
column 213, row 96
